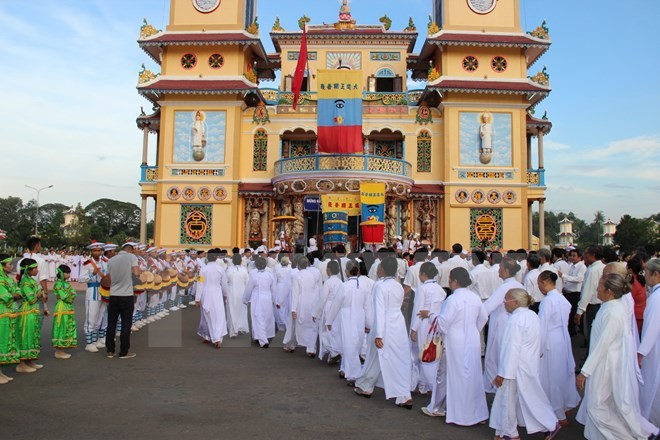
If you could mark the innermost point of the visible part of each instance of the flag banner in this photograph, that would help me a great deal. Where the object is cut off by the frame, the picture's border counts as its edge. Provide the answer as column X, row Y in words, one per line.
column 372, row 197
column 299, row 74
column 335, row 228
column 348, row 203
column 339, row 111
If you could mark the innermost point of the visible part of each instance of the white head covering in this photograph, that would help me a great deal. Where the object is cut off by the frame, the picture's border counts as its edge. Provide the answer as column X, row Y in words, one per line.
column 96, row 245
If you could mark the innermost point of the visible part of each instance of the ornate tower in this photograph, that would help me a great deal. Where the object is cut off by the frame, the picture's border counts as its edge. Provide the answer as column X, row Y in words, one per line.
column 477, row 58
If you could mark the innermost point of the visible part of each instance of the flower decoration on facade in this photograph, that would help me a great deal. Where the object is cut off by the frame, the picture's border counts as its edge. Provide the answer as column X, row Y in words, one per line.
column 254, row 27
column 146, row 75
column 147, row 30
column 541, row 32
column 277, row 27
column 542, row 78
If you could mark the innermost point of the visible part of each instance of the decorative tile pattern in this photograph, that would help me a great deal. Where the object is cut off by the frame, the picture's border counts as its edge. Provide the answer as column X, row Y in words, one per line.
column 219, row 172
column 260, row 158
column 293, row 56
column 385, row 56
column 474, row 174
column 486, row 227
column 188, row 61
column 424, row 152
column 196, row 224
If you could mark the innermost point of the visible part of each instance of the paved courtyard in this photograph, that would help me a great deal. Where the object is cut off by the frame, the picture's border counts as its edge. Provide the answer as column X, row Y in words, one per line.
column 179, row 388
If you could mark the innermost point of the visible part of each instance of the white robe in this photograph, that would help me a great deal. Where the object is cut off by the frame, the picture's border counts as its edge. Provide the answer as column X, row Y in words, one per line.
column 329, row 340
column 392, row 363
column 557, row 369
column 521, row 398
column 260, row 292
column 305, row 293
column 282, row 294
column 350, row 310
column 610, row 409
column 497, row 319
column 237, row 319
column 461, row 319
column 212, row 303
column 650, row 348
column 430, row 296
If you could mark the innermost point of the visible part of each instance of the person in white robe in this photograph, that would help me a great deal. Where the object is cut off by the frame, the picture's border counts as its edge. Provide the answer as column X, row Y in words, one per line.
column 411, row 285
column 212, row 301
column 610, row 406
column 237, row 280
column 260, row 294
column 458, row 391
column 283, row 279
column 283, row 302
column 648, row 352
column 430, row 296
column 388, row 356
column 497, row 318
column 329, row 336
column 350, row 311
column 305, row 293
column 557, row 369
column 530, row 282
column 520, row 399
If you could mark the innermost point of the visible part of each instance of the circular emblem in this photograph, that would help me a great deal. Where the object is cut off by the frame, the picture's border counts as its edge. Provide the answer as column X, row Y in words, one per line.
column 509, row 196
column 498, row 64
column 188, row 193
column 206, row 6
column 462, row 195
column 188, row 60
column 173, row 193
column 478, row 196
column 219, row 193
column 204, row 193
column 485, row 228
column 196, row 225
column 494, row 196
column 216, row 61
column 482, row 6
column 470, row 63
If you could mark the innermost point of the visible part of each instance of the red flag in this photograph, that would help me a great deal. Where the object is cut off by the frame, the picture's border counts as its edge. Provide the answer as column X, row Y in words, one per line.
column 299, row 75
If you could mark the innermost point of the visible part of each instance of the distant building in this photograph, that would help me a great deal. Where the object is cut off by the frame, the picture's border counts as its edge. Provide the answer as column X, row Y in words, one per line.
column 69, row 222
column 566, row 235
column 609, row 229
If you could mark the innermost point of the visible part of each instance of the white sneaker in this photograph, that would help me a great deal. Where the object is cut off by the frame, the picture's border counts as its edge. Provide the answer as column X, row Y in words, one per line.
column 174, row 309
column 182, row 306
column 100, row 343
column 149, row 320
column 91, row 348
column 135, row 328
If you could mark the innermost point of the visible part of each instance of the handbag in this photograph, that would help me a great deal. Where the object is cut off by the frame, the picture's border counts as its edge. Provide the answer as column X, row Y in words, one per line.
column 433, row 345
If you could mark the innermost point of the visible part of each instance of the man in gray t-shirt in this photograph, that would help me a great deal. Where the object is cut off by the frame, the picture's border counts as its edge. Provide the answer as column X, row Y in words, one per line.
column 121, row 269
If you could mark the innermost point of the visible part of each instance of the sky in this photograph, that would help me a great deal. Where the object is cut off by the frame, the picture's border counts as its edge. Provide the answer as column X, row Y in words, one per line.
column 68, row 101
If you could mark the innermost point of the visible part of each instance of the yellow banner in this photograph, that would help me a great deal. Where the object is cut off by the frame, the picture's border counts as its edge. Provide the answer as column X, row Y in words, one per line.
column 348, row 203
column 339, row 84
column 372, row 193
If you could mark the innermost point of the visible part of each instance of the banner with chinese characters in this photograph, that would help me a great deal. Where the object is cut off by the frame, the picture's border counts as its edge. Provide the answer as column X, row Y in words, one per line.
column 348, row 203
column 486, row 228
column 339, row 111
column 196, row 222
column 372, row 197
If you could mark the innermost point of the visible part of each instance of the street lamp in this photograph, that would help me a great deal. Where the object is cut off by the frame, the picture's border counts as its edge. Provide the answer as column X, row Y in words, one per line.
column 36, row 217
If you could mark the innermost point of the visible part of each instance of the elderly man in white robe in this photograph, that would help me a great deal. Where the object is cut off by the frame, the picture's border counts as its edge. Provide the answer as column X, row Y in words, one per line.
column 260, row 294
column 237, row 279
column 458, row 391
column 388, row 356
column 557, row 369
column 410, row 286
column 282, row 293
column 350, row 310
column 648, row 352
column 610, row 407
column 329, row 336
column 497, row 319
column 520, row 399
column 430, row 296
column 212, row 301
column 305, row 293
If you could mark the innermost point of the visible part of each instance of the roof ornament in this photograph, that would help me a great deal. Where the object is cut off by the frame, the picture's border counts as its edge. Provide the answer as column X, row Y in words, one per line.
column 545, row 115
column 147, row 30
column 433, row 72
column 541, row 32
column 146, row 75
column 387, row 22
column 432, row 26
column 302, row 21
column 411, row 26
column 253, row 28
column 542, row 78
column 277, row 27
column 345, row 20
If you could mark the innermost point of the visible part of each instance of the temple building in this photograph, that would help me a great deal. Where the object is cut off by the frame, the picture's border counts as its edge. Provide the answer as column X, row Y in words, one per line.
column 239, row 163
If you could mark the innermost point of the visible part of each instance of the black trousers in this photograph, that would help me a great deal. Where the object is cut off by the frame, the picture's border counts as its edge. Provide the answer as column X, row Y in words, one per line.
column 119, row 306
column 573, row 298
column 590, row 317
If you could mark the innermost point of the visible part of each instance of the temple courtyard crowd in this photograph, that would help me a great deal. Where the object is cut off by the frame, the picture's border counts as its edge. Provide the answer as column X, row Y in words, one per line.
column 447, row 326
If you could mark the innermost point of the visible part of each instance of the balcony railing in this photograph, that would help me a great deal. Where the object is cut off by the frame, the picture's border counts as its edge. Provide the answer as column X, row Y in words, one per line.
column 148, row 174
column 536, row 177
column 279, row 97
column 343, row 163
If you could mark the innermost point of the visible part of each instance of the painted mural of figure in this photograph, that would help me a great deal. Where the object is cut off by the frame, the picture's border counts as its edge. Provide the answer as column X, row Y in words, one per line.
column 405, row 218
column 255, row 213
column 486, row 135
column 425, row 218
column 391, row 221
column 198, row 133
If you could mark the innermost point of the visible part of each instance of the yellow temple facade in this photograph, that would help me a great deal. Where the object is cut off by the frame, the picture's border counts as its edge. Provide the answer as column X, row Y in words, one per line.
column 237, row 164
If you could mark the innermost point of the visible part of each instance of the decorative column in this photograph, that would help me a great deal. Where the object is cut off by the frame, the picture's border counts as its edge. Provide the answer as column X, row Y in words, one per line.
column 143, row 220
column 540, row 145
column 145, row 143
column 530, row 226
column 541, row 223
column 529, row 151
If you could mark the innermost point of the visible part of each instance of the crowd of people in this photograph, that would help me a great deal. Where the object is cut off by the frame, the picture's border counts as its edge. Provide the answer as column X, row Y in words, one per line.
column 375, row 315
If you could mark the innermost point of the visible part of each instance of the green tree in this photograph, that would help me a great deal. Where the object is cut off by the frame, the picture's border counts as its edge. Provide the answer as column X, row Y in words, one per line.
column 633, row 232
column 112, row 217
column 51, row 221
column 80, row 232
column 14, row 222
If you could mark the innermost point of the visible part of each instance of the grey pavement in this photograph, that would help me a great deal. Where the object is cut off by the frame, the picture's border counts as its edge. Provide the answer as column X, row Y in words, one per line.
column 179, row 388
